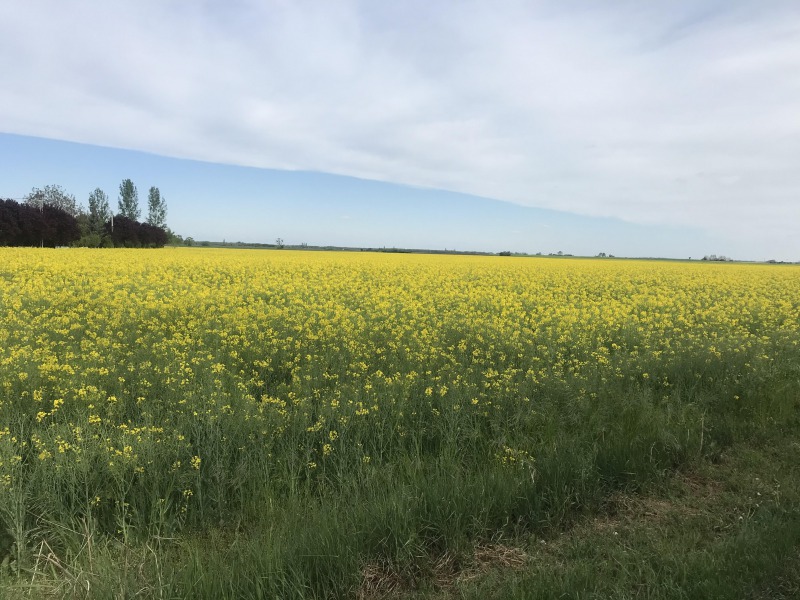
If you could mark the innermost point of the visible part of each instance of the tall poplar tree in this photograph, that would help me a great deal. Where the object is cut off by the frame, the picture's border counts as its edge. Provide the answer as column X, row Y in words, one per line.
column 99, row 211
column 156, row 209
column 128, row 200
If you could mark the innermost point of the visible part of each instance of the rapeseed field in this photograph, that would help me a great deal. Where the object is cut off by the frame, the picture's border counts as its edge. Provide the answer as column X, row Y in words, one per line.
column 344, row 409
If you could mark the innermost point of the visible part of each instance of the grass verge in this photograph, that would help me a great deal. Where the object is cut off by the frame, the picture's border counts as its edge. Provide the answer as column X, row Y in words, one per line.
column 723, row 529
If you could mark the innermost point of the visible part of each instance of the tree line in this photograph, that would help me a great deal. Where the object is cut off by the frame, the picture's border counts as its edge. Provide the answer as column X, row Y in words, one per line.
column 52, row 217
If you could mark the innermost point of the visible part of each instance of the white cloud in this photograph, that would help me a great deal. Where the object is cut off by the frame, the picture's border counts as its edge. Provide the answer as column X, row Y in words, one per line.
column 681, row 113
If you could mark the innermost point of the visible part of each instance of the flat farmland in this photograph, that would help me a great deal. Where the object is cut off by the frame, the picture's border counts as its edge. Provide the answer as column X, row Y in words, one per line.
column 194, row 422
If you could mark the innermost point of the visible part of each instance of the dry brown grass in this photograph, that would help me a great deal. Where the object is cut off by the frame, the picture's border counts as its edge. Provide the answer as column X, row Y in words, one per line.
column 379, row 581
column 446, row 571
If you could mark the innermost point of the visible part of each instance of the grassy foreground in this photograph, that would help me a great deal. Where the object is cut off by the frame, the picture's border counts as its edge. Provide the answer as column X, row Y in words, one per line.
column 723, row 529
column 230, row 424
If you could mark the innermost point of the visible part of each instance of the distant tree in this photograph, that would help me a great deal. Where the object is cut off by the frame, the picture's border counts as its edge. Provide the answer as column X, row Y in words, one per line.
column 33, row 228
column 10, row 226
column 87, row 239
column 714, row 257
column 128, row 201
column 61, row 228
column 152, row 236
column 99, row 211
column 127, row 233
column 173, row 239
column 55, row 196
column 279, row 242
column 124, row 232
column 156, row 209
column 29, row 225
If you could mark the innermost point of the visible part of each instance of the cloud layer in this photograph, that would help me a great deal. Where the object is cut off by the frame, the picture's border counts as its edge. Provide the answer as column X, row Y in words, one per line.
column 682, row 113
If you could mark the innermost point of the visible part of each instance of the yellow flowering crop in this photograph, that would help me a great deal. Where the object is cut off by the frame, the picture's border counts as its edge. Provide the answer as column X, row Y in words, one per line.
column 128, row 366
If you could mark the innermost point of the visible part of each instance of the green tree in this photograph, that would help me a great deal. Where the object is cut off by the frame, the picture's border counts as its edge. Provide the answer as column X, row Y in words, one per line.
column 55, row 196
column 99, row 211
column 156, row 209
column 128, row 200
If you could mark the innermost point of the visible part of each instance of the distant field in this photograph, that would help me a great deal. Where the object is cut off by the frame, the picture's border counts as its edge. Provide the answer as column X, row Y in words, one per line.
column 234, row 423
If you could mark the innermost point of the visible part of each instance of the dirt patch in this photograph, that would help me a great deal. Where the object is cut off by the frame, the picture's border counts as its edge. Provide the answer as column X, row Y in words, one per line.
column 448, row 570
column 380, row 581
column 493, row 556
column 700, row 487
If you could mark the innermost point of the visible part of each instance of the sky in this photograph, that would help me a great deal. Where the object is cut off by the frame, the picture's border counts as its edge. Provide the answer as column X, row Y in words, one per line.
column 635, row 128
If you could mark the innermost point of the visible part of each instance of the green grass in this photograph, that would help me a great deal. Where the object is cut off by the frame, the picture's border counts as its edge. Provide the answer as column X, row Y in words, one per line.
column 724, row 530
column 632, row 505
